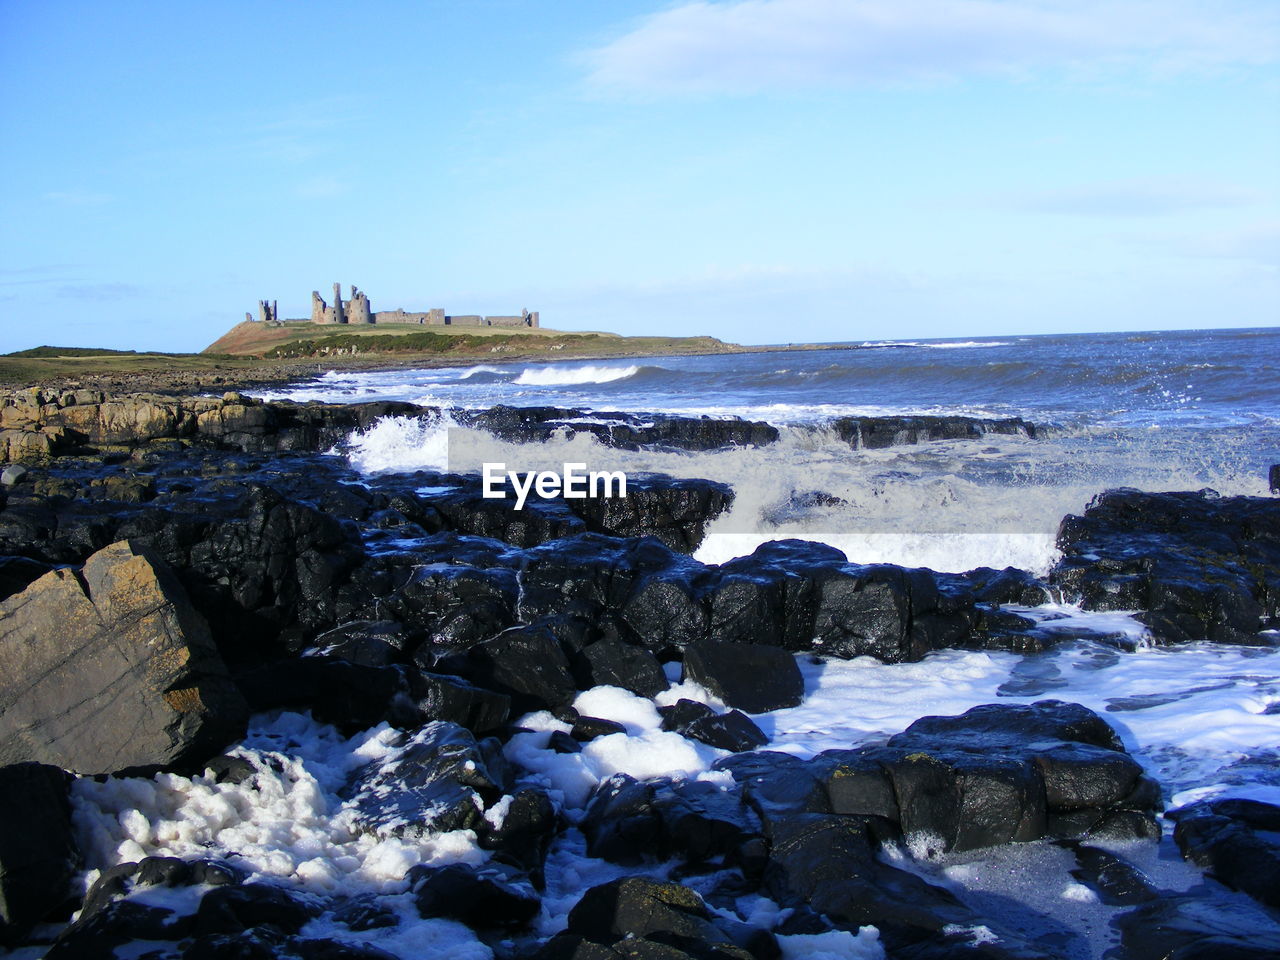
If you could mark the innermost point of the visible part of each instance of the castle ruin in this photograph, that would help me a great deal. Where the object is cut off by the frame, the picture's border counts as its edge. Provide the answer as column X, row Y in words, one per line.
column 357, row 310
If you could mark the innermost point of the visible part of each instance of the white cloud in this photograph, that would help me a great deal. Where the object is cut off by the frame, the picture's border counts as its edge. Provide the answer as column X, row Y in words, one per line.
column 748, row 46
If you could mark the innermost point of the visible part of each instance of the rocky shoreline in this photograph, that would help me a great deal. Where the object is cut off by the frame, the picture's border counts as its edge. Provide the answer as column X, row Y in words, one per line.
column 172, row 565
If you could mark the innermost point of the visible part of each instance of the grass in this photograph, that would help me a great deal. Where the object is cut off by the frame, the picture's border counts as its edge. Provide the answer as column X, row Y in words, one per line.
column 419, row 342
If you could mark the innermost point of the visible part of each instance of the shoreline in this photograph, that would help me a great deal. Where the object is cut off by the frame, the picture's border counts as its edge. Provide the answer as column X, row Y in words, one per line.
column 217, row 377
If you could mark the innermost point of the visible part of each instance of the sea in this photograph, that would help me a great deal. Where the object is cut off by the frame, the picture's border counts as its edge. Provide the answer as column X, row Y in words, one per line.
column 1157, row 411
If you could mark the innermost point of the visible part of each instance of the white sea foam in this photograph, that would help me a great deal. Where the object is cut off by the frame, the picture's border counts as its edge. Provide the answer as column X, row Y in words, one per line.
column 947, row 505
column 560, row 376
column 402, row 444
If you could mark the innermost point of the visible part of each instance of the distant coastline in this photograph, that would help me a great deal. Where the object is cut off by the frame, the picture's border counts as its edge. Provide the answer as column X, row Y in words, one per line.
column 252, row 354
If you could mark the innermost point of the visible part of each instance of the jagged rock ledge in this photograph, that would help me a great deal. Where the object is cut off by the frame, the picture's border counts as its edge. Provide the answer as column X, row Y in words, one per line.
column 36, row 425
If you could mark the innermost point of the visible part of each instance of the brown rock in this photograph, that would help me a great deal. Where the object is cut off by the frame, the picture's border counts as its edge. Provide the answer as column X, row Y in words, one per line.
column 111, row 670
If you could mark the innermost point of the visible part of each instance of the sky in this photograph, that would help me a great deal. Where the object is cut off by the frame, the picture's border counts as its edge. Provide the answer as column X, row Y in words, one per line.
column 763, row 171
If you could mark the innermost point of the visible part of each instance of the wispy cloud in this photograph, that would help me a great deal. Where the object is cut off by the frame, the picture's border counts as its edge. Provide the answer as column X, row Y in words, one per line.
column 78, row 198
column 100, row 292
column 1137, row 198
column 746, row 46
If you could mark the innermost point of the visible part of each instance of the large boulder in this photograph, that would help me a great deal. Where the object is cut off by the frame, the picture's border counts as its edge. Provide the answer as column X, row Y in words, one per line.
column 111, row 670
column 1198, row 566
column 1235, row 839
column 749, row 676
column 38, row 853
column 439, row 779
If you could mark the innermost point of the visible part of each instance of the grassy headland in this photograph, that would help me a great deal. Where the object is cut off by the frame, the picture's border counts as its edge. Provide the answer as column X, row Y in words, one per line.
column 254, row 353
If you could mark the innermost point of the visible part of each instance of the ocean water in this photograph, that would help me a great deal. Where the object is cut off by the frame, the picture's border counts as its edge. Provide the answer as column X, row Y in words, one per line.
column 1157, row 411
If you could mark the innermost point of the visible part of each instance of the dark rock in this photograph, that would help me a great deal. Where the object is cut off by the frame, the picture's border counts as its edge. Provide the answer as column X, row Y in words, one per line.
column 804, row 596
column 731, row 731
column 116, row 924
column 348, row 695
column 523, row 832
column 1191, row 927
column 637, row 909
column 677, row 717
column 119, row 881
column 18, row 573
column 1116, row 881
column 454, row 606
column 561, row 742
column 365, row 643
column 38, row 852
column 610, row 662
column 482, row 897
column 228, row 769
column 438, row 779
column 1200, row 566
column 1235, row 840
column 112, row 670
column 830, row 863
column 365, row 912
column 234, row 909
column 677, row 512
column 1273, row 478
column 630, row 821
column 588, row 728
column 525, row 663
column 728, row 731
column 1001, row 773
column 754, row 678
column 871, row 433
column 440, row 697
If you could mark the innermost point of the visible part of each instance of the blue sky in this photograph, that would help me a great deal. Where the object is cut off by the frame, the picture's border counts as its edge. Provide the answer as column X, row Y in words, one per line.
column 762, row 170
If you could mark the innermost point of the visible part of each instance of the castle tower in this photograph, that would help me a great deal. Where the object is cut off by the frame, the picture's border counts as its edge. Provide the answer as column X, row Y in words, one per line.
column 319, row 309
column 338, row 315
column 358, row 309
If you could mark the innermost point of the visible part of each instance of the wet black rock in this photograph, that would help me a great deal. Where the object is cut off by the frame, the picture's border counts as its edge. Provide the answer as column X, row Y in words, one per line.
column 1116, row 881
column 628, row 431
column 871, row 433
column 611, row 662
column 484, row 898
column 121, row 918
column 805, row 596
column 236, row 908
column 348, row 695
column 525, row 663
column 639, row 909
column 728, row 731
column 38, row 852
column 523, row 832
column 441, row 697
column 999, row 773
column 676, row 512
column 631, row 821
column 982, row 777
column 586, row 729
column 752, row 677
column 1236, row 840
column 1196, row 928
column 438, row 779
column 365, row 643
column 1199, row 566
